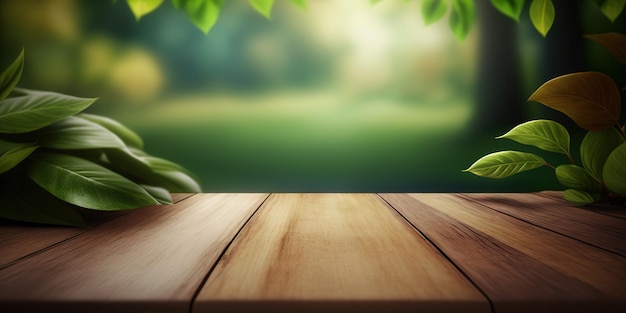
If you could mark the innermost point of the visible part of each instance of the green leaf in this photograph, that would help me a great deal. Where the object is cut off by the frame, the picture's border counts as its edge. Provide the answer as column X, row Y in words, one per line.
column 462, row 17
column 264, row 7
column 615, row 43
column 152, row 170
column 202, row 13
column 543, row 134
column 143, row 7
column 614, row 172
column 579, row 197
column 129, row 137
column 30, row 203
column 596, row 147
column 510, row 8
column 576, row 177
column 77, row 133
column 11, row 76
column 373, row 2
column 433, row 10
column 158, row 193
column 86, row 184
column 12, row 153
column 611, row 8
column 590, row 99
column 505, row 163
column 38, row 109
column 300, row 3
column 542, row 15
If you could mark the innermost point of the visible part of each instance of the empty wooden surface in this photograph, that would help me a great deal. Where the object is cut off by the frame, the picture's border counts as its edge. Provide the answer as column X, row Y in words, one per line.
column 314, row 248
column 324, row 253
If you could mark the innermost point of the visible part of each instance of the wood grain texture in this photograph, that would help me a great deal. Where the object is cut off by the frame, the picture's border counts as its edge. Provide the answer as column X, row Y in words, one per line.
column 150, row 260
column 520, row 267
column 334, row 253
column 19, row 240
column 600, row 230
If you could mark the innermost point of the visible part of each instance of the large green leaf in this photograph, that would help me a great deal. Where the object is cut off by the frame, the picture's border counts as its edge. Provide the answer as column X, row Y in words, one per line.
column 129, row 137
column 12, row 153
column 614, row 172
column 510, row 8
column 542, row 15
column 579, row 197
column 611, row 8
column 543, row 134
column 29, row 203
column 158, row 193
column 263, row 6
column 37, row 109
column 433, row 10
column 596, row 147
column 576, row 177
column 143, row 7
column 77, row 133
column 615, row 43
column 152, row 170
column 591, row 99
column 86, row 184
column 300, row 3
column 11, row 76
column 505, row 163
column 462, row 17
column 202, row 13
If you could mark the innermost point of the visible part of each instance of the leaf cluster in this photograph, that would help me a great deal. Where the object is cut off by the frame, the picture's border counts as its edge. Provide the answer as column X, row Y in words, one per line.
column 592, row 101
column 202, row 13
column 55, row 159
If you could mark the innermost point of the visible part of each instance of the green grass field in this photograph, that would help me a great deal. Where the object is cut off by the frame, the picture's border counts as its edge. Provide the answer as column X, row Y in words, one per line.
column 321, row 143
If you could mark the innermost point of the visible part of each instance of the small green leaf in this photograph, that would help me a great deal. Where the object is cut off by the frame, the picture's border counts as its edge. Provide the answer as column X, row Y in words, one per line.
column 615, row 43
column 579, row 197
column 596, row 147
column 37, row 109
column 590, row 99
column 300, row 3
column 30, row 203
column 611, row 8
column 202, row 13
column 11, row 76
column 129, row 137
column 264, row 7
column 614, row 172
column 86, row 184
column 505, row 163
column 160, row 194
column 576, row 177
column 543, row 134
column 510, row 8
column 373, row 2
column 542, row 15
column 12, row 153
column 143, row 7
column 462, row 17
column 433, row 10
column 77, row 133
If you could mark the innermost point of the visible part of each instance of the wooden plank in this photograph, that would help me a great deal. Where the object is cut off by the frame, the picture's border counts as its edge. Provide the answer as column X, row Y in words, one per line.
column 150, row 260
column 19, row 240
column 520, row 267
column 334, row 253
column 606, row 209
column 600, row 230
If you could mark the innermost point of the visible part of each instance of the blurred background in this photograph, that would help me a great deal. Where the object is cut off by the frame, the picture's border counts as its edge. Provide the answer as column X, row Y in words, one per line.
column 340, row 97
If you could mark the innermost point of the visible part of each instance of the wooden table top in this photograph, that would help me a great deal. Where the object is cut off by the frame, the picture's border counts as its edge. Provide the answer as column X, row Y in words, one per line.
column 324, row 253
